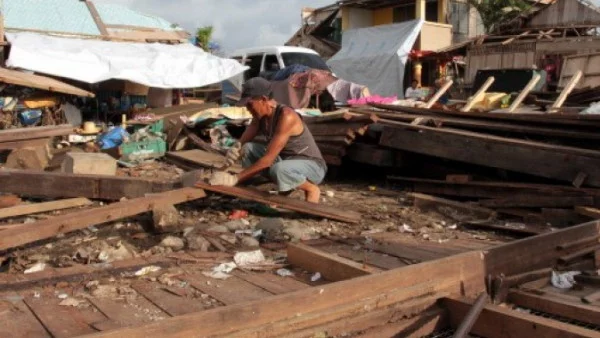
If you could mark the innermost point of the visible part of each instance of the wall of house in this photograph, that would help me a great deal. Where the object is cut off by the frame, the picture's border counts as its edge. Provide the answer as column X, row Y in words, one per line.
column 565, row 13
column 356, row 18
column 383, row 16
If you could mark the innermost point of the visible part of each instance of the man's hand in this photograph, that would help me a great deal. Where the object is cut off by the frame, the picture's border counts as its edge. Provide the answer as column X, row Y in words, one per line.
column 233, row 154
column 223, row 178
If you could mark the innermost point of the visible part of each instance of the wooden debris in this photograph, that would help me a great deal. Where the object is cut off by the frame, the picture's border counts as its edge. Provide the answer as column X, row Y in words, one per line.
column 34, row 158
column 284, row 202
column 39, row 230
column 556, row 306
column 29, row 209
column 427, row 202
column 331, row 267
column 7, row 201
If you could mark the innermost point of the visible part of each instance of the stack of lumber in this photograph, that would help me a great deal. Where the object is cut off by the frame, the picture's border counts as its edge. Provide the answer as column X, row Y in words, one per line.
column 335, row 132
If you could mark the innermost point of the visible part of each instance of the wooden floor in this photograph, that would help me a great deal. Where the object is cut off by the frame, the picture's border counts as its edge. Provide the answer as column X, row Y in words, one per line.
column 30, row 306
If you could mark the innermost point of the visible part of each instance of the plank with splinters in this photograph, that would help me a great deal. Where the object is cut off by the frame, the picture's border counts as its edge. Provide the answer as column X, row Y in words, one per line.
column 271, row 282
column 331, row 267
column 229, row 291
column 60, row 321
column 36, row 231
column 284, row 202
column 18, row 321
column 28, row 209
column 166, row 301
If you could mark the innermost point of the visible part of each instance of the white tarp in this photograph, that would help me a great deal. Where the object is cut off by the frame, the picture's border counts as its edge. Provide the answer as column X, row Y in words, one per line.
column 376, row 56
column 91, row 61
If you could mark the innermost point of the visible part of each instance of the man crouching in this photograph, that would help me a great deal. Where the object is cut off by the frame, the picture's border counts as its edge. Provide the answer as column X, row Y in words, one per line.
column 291, row 155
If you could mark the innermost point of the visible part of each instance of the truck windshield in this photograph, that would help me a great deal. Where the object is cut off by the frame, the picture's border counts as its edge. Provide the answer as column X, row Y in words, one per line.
column 310, row 60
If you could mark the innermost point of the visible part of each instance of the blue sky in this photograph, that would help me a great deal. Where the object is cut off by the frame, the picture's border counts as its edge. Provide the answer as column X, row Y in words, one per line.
column 237, row 23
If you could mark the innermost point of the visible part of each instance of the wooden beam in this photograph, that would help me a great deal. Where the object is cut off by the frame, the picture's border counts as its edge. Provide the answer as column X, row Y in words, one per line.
column 303, row 309
column 31, row 232
column 535, row 158
column 331, row 267
column 439, row 94
column 284, row 202
column 556, row 306
column 535, row 252
column 488, row 83
column 587, row 211
column 97, row 19
column 28, row 209
column 56, row 185
column 427, row 202
column 577, row 254
column 498, row 322
column 523, row 94
column 537, row 201
column 565, row 92
column 23, row 134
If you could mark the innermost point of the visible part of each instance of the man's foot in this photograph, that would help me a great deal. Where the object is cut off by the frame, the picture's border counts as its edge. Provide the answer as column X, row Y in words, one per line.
column 311, row 191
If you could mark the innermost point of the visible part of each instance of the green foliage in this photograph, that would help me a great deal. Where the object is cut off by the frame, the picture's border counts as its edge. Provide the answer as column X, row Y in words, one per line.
column 204, row 35
column 496, row 12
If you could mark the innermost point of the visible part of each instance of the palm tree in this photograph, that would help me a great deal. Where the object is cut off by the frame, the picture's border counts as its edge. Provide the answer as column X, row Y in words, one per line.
column 496, row 12
column 204, row 36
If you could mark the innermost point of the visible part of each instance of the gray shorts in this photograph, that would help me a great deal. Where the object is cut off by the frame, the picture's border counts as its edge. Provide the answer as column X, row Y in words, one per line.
column 288, row 174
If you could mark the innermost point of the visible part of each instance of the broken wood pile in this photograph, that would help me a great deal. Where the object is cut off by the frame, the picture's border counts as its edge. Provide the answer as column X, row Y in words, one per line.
column 335, row 132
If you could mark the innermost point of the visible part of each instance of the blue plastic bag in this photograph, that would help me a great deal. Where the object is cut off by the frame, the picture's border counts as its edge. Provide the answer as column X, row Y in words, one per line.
column 113, row 138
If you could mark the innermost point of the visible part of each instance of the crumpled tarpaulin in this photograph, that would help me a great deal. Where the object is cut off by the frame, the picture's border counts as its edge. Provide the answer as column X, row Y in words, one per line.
column 91, row 61
column 298, row 88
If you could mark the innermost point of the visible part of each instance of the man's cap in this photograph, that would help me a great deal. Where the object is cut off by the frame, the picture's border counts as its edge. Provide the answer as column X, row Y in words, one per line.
column 256, row 86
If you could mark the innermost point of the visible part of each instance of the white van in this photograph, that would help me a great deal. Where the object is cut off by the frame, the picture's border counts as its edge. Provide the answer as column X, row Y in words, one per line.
column 265, row 62
column 268, row 60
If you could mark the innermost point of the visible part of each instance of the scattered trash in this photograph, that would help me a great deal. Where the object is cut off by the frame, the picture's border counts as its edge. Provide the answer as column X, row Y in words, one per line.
column 37, row 267
column 329, row 193
column 172, row 242
column 405, row 228
column 284, row 273
column 36, row 294
column 147, row 270
column 315, row 277
column 63, row 296
column 372, row 188
column 246, row 259
column 564, row 280
column 221, row 271
column 70, row 302
column 238, row 214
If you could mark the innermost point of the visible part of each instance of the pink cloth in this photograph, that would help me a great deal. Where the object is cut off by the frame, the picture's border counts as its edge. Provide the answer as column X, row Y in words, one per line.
column 373, row 99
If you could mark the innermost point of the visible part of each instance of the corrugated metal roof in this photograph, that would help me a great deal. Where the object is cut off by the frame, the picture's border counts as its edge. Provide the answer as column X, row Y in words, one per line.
column 121, row 15
column 49, row 15
column 73, row 16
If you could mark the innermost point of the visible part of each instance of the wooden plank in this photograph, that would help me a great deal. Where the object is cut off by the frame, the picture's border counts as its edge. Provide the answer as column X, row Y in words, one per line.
column 60, row 321
column 550, row 161
column 523, row 94
column 132, row 312
column 426, row 202
column 587, row 211
column 166, row 301
column 37, row 142
column 97, row 18
column 512, row 323
column 460, row 274
column 55, row 185
column 40, row 82
column 28, row 209
column 203, row 159
column 17, row 320
column 434, row 99
column 331, row 267
column 535, row 252
column 229, row 291
column 565, row 92
column 577, row 254
column 24, row 134
column 39, row 230
column 334, row 129
column 271, row 282
column 285, row 203
column 536, row 201
column 473, row 99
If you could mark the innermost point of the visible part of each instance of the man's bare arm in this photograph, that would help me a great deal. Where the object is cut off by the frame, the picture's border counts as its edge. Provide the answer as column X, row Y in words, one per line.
column 250, row 132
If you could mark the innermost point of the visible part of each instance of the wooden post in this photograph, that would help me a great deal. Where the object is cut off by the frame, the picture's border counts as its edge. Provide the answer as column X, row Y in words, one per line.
column 565, row 92
column 420, row 9
column 439, row 93
column 442, row 11
column 97, row 19
column 488, row 83
column 528, row 88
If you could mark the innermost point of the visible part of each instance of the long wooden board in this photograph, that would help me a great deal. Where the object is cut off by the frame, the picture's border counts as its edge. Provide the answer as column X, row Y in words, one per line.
column 556, row 306
column 545, row 160
column 284, row 202
column 36, row 231
column 28, row 209
column 55, row 185
column 460, row 274
column 201, row 159
column 21, row 134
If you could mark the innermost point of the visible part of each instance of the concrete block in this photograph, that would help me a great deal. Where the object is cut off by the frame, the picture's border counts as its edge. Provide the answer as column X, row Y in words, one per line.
column 89, row 163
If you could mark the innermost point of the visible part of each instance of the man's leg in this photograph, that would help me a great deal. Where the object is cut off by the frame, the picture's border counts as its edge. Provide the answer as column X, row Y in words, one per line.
column 298, row 174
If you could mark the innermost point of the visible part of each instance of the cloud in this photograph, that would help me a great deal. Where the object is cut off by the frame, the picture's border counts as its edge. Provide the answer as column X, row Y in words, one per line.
column 237, row 23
